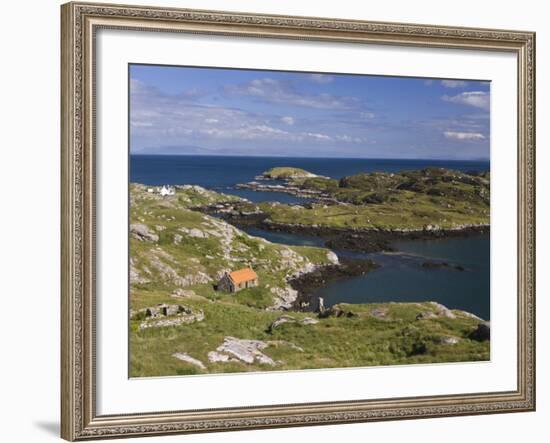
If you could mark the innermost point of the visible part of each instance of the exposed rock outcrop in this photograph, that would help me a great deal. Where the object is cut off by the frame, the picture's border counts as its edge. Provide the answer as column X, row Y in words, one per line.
column 426, row 315
column 162, row 262
column 380, row 313
column 241, row 350
column 332, row 258
column 183, row 293
column 183, row 356
column 136, row 277
column 284, row 298
column 143, row 233
column 289, row 319
column 442, row 311
column 194, row 232
column 448, row 340
column 336, row 311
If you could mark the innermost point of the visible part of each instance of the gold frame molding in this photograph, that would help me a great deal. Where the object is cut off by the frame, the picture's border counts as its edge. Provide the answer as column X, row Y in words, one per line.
column 79, row 22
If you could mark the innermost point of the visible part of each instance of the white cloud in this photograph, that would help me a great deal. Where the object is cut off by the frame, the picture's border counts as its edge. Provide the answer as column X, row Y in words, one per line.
column 172, row 120
column 318, row 136
column 288, row 120
column 275, row 91
column 478, row 99
column 349, row 139
column 455, row 135
column 428, row 82
column 454, row 83
column 367, row 115
column 247, row 132
column 321, row 78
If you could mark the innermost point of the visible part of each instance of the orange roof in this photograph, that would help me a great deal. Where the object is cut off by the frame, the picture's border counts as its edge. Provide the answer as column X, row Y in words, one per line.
column 243, row 275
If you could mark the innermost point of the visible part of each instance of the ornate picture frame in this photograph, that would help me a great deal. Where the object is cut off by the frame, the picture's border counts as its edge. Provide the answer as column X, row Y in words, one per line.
column 80, row 22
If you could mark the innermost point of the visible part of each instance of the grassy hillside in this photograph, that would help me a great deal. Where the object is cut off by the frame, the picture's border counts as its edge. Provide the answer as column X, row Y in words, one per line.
column 431, row 198
column 174, row 246
column 177, row 254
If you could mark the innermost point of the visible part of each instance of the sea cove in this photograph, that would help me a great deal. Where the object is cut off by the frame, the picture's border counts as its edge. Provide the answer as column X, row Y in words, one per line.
column 402, row 277
column 404, row 274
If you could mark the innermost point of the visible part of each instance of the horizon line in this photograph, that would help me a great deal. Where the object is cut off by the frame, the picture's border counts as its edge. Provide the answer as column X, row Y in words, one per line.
column 309, row 157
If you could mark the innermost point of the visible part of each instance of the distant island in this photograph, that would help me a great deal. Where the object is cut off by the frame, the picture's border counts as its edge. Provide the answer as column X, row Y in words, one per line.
column 184, row 242
column 287, row 173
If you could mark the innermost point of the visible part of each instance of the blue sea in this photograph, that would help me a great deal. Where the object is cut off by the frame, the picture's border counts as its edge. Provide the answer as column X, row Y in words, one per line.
column 400, row 277
column 223, row 173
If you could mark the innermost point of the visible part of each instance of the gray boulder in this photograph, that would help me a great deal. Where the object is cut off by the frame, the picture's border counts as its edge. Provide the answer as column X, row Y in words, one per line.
column 241, row 350
column 442, row 311
column 289, row 319
column 183, row 356
column 427, row 315
column 143, row 233
column 380, row 313
column 280, row 321
column 448, row 340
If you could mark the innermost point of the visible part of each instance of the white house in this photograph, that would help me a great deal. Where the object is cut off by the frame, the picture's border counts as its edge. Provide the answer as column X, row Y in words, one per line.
column 166, row 190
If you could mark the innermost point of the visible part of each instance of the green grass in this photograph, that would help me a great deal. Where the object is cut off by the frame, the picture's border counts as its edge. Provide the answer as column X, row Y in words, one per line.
column 319, row 184
column 219, row 247
column 285, row 172
column 406, row 210
column 387, row 201
column 361, row 340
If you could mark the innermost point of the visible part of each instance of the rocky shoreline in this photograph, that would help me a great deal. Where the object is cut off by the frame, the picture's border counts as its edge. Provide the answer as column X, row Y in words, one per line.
column 307, row 284
column 288, row 189
column 358, row 240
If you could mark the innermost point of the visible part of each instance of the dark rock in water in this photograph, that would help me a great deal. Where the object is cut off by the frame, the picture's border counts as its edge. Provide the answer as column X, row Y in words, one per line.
column 435, row 265
column 482, row 332
column 441, row 265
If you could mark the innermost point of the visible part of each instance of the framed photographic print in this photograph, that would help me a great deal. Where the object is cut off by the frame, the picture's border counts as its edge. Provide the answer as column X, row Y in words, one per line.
column 282, row 221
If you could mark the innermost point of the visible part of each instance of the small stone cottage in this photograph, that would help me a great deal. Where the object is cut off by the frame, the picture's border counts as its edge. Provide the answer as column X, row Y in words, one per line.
column 237, row 280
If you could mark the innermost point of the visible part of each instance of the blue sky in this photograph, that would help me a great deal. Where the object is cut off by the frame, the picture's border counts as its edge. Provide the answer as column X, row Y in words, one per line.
column 207, row 111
